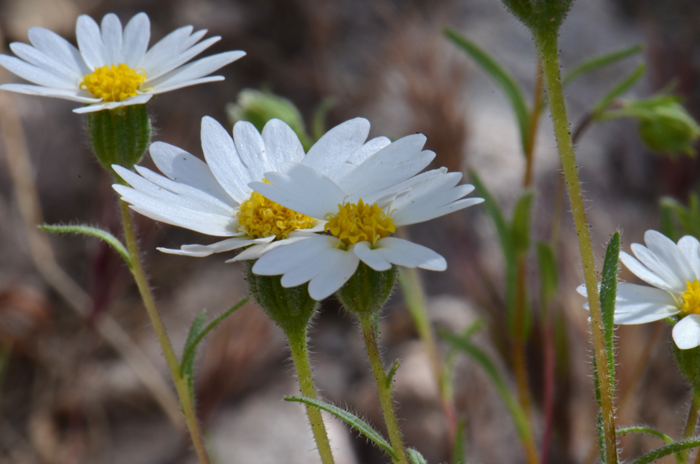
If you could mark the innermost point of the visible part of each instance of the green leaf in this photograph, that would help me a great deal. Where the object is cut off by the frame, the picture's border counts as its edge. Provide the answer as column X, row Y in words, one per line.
column 549, row 278
column 600, row 61
column 505, row 236
column 668, row 449
column 318, row 126
column 608, row 292
column 619, row 89
column 601, row 429
column 521, row 424
column 187, row 366
column 647, row 430
column 500, row 76
column 191, row 345
column 414, row 457
column 392, row 371
column 110, row 239
column 459, row 451
column 520, row 227
column 350, row 419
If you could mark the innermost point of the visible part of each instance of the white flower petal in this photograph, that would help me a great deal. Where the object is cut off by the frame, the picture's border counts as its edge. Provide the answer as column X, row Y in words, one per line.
column 340, row 265
column 690, row 247
column 200, row 251
column 194, row 70
column 337, row 145
column 183, row 167
column 184, row 84
column 686, row 332
column 163, row 51
column 59, row 49
column 65, row 94
column 39, row 59
column 137, row 33
column 370, row 257
column 106, row 105
column 658, row 265
column 286, row 258
column 89, row 39
column 251, row 149
column 183, row 57
column 111, row 29
column 222, row 158
column 668, row 253
column 643, row 272
column 313, row 263
column 639, row 304
column 302, row 189
column 281, row 144
column 35, row 74
column 408, row 254
column 368, row 149
column 256, row 251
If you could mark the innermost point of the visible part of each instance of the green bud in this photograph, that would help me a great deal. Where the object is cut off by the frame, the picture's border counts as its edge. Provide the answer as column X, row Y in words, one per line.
column 290, row 308
column 541, row 16
column 119, row 136
column 688, row 362
column 259, row 107
column 367, row 290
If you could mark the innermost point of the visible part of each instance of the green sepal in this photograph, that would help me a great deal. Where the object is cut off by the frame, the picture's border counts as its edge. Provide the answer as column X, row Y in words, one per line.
column 119, row 136
column 103, row 235
column 290, row 308
column 350, row 419
column 541, row 16
column 367, row 290
column 688, row 362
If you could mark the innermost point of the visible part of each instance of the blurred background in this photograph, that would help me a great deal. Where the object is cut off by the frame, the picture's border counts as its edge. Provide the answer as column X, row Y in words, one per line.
column 83, row 379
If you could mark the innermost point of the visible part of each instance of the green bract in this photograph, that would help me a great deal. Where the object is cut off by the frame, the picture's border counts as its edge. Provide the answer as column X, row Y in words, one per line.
column 540, row 15
column 367, row 290
column 119, row 136
column 688, row 362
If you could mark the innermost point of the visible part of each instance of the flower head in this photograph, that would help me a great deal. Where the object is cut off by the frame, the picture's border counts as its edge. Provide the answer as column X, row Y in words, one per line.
column 112, row 67
column 363, row 208
column 214, row 197
column 673, row 271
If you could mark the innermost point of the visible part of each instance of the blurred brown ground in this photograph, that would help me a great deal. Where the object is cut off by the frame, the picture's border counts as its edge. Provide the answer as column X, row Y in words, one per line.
column 68, row 397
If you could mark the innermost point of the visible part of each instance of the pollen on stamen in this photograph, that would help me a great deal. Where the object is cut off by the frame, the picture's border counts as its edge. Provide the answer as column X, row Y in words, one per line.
column 691, row 298
column 358, row 223
column 113, row 82
column 260, row 217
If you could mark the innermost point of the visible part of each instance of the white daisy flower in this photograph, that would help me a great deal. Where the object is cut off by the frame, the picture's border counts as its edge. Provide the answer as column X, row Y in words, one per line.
column 363, row 208
column 214, row 198
column 673, row 271
column 112, row 67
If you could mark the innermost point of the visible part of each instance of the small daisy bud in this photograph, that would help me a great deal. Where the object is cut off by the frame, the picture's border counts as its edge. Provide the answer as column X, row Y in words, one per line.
column 119, row 136
column 367, row 290
column 541, row 16
column 665, row 126
column 688, row 362
column 290, row 308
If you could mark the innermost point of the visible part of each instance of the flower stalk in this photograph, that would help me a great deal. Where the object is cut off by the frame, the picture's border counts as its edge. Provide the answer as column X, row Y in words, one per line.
column 183, row 392
column 692, row 422
column 547, row 43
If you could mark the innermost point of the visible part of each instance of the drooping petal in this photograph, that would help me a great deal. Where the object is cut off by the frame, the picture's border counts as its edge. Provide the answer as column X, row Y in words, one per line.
column 409, row 254
column 200, row 251
column 686, row 332
column 286, row 258
column 372, row 258
column 340, row 265
column 108, row 105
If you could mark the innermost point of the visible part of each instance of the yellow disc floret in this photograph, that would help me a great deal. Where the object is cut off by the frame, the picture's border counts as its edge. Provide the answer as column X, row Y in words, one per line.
column 260, row 217
column 113, row 82
column 359, row 223
column 691, row 298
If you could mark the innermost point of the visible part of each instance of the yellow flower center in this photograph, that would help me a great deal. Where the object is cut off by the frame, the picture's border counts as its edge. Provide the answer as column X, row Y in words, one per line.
column 260, row 217
column 359, row 223
column 691, row 298
column 113, row 82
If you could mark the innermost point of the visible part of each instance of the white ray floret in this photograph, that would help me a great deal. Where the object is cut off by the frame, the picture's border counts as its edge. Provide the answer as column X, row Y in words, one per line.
column 673, row 271
column 386, row 190
column 58, row 69
column 207, row 196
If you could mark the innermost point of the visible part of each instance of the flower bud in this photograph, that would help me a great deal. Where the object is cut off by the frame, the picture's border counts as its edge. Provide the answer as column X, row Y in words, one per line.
column 667, row 127
column 688, row 362
column 259, row 107
column 119, row 136
column 541, row 16
column 290, row 308
column 367, row 290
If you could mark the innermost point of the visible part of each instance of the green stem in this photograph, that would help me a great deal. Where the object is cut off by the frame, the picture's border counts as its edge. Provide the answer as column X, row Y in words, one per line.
column 547, row 44
column 692, row 422
column 183, row 392
column 384, row 390
column 300, row 355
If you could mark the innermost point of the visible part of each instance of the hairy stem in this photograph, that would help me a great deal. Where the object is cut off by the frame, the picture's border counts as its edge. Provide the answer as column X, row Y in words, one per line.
column 547, row 45
column 183, row 392
column 692, row 422
column 384, row 390
column 300, row 355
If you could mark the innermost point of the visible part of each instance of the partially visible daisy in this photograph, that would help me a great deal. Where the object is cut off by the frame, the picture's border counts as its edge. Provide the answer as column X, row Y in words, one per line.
column 214, row 198
column 362, row 210
column 111, row 67
column 673, row 271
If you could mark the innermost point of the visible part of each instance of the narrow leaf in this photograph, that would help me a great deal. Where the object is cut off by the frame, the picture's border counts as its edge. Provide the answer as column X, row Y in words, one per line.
column 521, row 424
column 103, row 235
column 191, row 348
column 549, row 279
column 459, row 451
column 350, row 419
column 500, row 76
column 520, row 227
column 600, row 61
column 608, row 291
column 668, row 449
column 187, row 365
column 414, row 457
column 619, row 89
column 601, row 431
column 392, row 371
column 647, row 430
